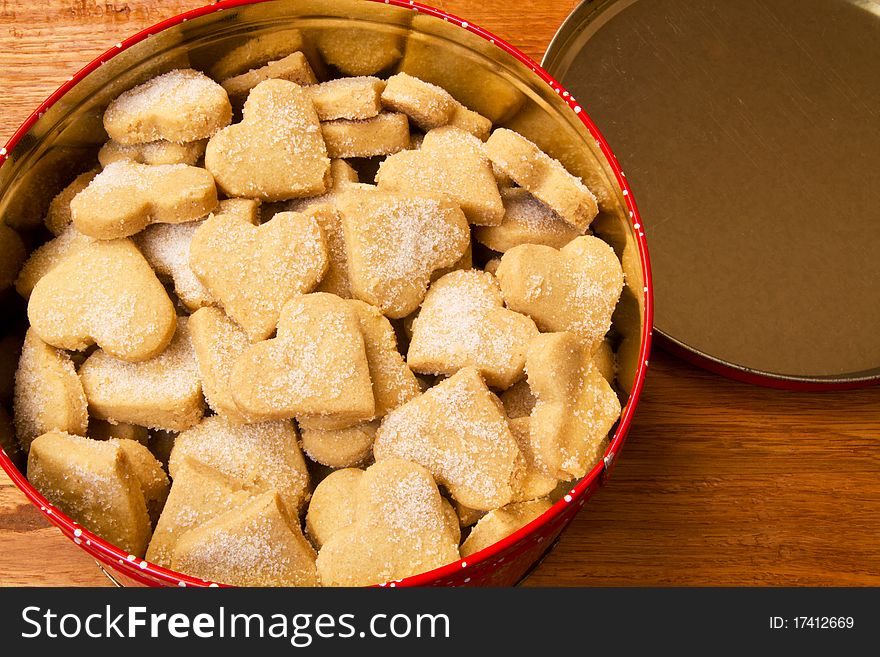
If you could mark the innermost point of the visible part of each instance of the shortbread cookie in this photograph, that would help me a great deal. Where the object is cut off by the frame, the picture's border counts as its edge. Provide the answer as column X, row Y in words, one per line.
column 574, row 289
column 218, row 342
column 574, row 406
column 400, row 529
column 463, row 323
column 334, row 503
column 356, row 51
column 383, row 134
column 199, row 493
column 164, row 392
column 265, row 456
column 347, row 98
column 427, row 105
column 462, row 176
column 44, row 259
column 167, row 249
column 543, row 176
column 276, row 152
column 256, row 544
column 182, row 105
column 457, row 431
column 526, row 221
column 533, row 483
column 294, row 68
column 103, row 430
column 394, row 384
column 393, row 243
column 14, row 255
column 149, row 473
column 256, row 51
column 104, row 293
column 253, row 270
column 94, row 483
column 316, row 366
column 48, row 393
column 153, row 152
column 471, row 122
column 126, row 197
column 501, row 523
column 332, row 507
column 58, row 217
column 339, row 448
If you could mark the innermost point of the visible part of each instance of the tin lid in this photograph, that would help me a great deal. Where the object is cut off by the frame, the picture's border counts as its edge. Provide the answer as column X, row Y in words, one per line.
column 750, row 133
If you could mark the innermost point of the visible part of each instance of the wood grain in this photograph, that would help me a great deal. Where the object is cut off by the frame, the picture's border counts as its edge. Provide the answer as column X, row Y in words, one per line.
column 720, row 483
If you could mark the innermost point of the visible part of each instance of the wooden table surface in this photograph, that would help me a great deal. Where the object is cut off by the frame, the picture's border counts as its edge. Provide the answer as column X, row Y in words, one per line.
column 720, row 483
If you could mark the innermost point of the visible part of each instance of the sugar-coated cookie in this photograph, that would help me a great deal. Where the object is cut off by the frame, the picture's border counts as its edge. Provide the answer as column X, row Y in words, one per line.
column 182, row 105
column 218, row 342
column 383, row 134
column 533, row 482
column 355, row 51
column 543, row 176
column 427, row 105
column 294, row 68
column 198, row 494
column 45, row 257
column 126, row 197
column 48, row 393
column 265, row 456
column 253, row 270
column 463, row 323
column 355, row 98
column 573, row 289
column 153, row 152
column 458, row 431
column 276, row 152
column 332, row 506
column 394, row 242
column 166, row 248
column 256, row 544
column 104, row 294
column 574, row 406
column 400, row 529
column 164, row 392
column 316, row 366
column 526, row 221
column 94, row 483
column 339, row 448
column 501, row 523
column 58, row 217
column 463, row 176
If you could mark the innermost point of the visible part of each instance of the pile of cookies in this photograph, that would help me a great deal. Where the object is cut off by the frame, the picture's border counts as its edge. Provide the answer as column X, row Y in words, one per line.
column 254, row 359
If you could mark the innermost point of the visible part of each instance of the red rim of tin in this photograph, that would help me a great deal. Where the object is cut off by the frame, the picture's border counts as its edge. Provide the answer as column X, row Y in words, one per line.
column 139, row 569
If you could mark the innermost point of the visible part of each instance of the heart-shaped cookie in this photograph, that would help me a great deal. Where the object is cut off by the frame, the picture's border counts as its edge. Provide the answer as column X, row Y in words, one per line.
column 48, row 393
column 181, row 105
column 104, row 293
column 458, row 431
column 462, row 175
column 253, row 270
column 164, row 392
column 126, row 197
column 394, row 242
column 316, row 366
column 277, row 152
column 265, row 456
column 400, row 529
column 574, row 409
column 463, row 323
column 256, row 544
column 573, row 289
